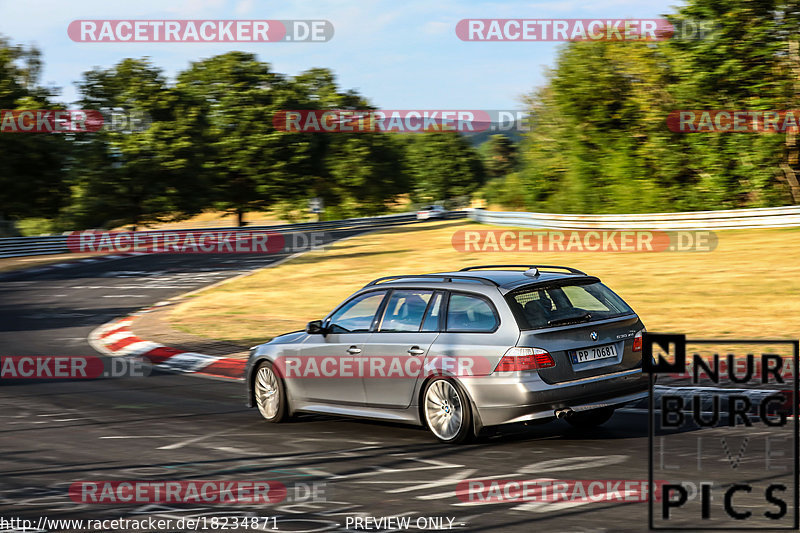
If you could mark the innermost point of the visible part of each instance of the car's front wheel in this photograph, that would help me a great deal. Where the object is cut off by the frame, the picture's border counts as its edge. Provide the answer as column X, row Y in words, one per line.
column 270, row 394
column 590, row 419
column 447, row 411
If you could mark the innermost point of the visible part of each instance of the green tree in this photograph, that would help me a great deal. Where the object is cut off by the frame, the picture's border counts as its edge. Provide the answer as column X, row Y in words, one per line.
column 745, row 63
column 442, row 166
column 248, row 164
column 32, row 178
column 356, row 174
column 366, row 172
column 131, row 176
column 601, row 143
column 499, row 156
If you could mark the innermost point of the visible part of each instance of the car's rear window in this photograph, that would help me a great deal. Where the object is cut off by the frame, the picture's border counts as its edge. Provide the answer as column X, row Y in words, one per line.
column 549, row 306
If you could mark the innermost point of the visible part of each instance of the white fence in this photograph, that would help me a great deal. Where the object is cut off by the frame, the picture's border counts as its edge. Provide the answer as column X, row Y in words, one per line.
column 57, row 244
column 770, row 217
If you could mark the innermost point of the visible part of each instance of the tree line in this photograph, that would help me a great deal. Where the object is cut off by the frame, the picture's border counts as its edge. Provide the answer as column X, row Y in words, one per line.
column 210, row 143
column 600, row 143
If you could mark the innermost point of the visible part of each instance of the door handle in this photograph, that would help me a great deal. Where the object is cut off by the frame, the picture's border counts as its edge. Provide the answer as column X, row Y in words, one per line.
column 416, row 350
column 353, row 350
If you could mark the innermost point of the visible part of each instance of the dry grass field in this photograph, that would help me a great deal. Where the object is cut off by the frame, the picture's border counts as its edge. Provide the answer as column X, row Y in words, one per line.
column 749, row 286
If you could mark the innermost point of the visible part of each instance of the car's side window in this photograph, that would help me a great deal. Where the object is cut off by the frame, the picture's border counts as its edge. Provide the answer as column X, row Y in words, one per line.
column 405, row 310
column 357, row 314
column 471, row 313
column 432, row 315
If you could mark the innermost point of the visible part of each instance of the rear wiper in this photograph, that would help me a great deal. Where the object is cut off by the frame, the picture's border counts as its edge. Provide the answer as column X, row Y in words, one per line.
column 570, row 320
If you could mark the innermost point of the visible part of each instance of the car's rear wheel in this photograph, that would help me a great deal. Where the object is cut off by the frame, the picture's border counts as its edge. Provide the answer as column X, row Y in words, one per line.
column 590, row 419
column 447, row 411
column 270, row 394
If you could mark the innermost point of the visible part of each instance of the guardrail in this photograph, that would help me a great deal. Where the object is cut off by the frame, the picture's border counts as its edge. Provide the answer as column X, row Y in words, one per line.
column 769, row 217
column 57, row 244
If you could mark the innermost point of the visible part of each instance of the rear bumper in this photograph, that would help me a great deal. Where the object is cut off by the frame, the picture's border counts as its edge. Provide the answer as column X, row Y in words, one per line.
column 518, row 398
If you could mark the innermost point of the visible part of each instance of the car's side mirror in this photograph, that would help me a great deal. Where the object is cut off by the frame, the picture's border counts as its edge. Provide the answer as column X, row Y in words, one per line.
column 315, row 328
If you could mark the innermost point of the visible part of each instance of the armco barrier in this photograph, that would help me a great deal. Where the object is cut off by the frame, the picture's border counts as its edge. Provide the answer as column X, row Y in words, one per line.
column 770, row 217
column 57, row 244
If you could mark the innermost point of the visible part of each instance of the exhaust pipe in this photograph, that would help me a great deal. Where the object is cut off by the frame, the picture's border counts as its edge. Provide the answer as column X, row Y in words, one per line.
column 563, row 413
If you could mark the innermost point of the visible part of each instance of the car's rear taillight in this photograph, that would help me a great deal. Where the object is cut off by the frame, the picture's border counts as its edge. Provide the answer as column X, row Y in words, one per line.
column 519, row 358
column 637, row 342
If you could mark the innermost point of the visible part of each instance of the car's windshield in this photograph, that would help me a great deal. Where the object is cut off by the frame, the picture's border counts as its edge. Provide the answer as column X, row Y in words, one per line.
column 557, row 305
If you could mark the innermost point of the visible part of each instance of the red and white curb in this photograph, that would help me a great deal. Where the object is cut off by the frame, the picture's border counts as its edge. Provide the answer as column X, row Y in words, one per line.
column 116, row 339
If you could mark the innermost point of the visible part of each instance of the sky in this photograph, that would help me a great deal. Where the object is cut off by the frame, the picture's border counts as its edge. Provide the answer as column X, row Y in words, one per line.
column 400, row 55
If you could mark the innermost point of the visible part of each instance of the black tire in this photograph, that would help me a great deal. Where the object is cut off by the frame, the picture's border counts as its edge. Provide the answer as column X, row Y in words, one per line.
column 269, row 393
column 446, row 411
column 590, row 419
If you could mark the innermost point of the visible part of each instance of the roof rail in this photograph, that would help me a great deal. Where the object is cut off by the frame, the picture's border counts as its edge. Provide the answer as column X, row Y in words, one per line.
column 538, row 267
column 447, row 278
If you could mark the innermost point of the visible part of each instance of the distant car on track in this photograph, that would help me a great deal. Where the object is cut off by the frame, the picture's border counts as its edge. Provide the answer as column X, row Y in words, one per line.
column 458, row 351
column 431, row 211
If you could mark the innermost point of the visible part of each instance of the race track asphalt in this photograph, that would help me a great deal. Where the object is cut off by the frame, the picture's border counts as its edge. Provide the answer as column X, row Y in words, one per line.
column 181, row 427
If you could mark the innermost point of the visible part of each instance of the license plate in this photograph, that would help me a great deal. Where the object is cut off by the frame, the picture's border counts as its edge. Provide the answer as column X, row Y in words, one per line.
column 593, row 354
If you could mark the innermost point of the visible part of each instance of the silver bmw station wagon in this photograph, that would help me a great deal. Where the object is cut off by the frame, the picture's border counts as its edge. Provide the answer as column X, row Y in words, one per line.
column 459, row 351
